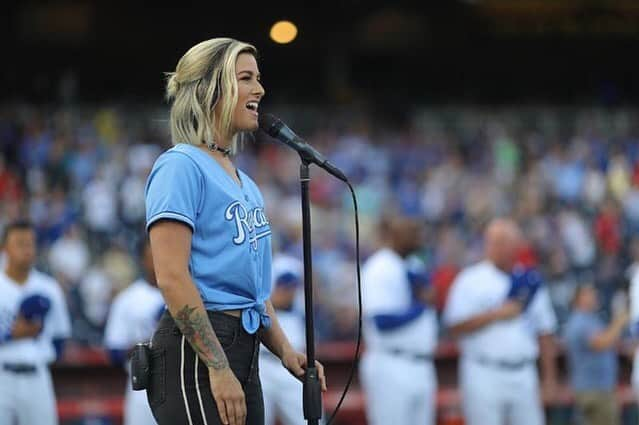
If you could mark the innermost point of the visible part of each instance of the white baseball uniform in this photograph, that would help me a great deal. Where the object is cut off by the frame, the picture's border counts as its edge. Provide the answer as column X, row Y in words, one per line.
column 497, row 367
column 132, row 319
column 396, row 371
column 282, row 392
column 26, row 390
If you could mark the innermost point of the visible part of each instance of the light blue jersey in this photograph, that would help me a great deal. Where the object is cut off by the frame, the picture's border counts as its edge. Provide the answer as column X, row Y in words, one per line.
column 230, row 259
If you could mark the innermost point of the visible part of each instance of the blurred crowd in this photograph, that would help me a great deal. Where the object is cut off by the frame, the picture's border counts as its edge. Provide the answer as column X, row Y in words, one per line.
column 570, row 177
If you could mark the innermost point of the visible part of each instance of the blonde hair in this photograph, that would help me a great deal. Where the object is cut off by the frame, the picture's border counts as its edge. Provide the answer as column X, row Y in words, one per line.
column 204, row 76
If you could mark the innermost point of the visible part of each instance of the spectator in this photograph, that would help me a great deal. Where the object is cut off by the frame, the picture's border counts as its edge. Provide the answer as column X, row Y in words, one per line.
column 561, row 284
column 594, row 188
column 593, row 358
column 578, row 241
column 91, row 302
column 100, row 214
column 608, row 228
column 87, row 167
column 630, row 205
column 619, row 176
column 69, row 257
column 449, row 250
column 10, row 187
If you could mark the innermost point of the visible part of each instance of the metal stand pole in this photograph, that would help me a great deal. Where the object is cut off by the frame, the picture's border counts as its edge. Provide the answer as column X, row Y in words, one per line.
column 312, row 387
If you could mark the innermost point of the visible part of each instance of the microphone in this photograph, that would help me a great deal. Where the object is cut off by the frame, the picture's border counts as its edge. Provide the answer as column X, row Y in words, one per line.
column 275, row 128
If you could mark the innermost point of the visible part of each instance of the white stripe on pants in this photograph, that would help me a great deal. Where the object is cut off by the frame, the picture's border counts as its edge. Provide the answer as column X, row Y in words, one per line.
column 186, row 401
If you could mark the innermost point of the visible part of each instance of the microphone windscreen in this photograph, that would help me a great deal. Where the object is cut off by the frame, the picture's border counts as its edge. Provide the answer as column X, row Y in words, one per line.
column 269, row 124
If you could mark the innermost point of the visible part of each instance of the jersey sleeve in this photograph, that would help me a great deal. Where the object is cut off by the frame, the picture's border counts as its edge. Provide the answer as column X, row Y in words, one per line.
column 58, row 321
column 542, row 314
column 116, row 333
column 173, row 190
column 383, row 285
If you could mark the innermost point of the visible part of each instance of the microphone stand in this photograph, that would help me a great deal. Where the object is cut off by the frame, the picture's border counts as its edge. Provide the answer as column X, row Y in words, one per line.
column 312, row 389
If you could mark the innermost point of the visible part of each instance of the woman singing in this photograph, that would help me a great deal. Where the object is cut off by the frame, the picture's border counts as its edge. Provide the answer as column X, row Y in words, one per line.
column 211, row 245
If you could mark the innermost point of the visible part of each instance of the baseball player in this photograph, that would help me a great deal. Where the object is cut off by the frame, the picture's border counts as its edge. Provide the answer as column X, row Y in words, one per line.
column 282, row 392
column 503, row 316
column 34, row 323
column 133, row 317
column 400, row 331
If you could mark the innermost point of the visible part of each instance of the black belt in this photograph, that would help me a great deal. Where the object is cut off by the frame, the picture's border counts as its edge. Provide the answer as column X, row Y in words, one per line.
column 505, row 364
column 25, row 368
column 422, row 357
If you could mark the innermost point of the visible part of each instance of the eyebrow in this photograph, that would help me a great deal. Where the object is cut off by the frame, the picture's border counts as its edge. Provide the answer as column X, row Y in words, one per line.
column 249, row 73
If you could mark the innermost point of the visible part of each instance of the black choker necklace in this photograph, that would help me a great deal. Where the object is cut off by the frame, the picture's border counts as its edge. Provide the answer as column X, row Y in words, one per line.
column 214, row 147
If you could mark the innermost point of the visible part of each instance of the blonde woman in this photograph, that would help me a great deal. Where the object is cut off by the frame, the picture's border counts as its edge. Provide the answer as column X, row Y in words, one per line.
column 211, row 244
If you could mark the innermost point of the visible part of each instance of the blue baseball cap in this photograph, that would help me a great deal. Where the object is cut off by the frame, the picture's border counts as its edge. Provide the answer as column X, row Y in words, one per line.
column 288, row 271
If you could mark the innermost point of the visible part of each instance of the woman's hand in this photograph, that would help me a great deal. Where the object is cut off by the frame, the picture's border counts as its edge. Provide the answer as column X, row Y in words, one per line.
column 296, row 364
column 228, row 395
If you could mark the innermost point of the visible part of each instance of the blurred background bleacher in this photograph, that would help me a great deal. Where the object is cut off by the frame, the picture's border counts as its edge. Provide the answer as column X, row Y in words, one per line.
column 455, row 112
column 570, row 176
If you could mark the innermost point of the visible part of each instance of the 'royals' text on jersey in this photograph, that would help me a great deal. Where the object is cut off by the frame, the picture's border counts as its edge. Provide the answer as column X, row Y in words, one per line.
column 230, row 260
column 249, row 222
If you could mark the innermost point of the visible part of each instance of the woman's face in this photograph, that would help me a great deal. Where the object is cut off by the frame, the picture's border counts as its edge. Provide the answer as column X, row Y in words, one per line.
column 249, row 93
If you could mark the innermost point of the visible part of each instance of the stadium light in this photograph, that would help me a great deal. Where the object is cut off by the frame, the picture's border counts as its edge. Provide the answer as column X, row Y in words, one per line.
column 283, row 32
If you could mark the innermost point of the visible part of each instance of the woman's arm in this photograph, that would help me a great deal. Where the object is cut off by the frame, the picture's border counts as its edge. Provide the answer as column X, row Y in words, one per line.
column 171, row 248
column 276, row 341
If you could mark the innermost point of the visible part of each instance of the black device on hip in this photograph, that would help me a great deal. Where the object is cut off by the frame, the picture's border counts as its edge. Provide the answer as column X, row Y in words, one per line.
column 140, row 366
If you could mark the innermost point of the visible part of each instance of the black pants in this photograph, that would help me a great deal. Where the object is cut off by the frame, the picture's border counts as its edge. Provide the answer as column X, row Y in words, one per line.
column 179, row 392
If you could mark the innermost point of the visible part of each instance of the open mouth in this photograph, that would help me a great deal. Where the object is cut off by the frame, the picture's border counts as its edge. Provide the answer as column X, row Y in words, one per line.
column 252, row 106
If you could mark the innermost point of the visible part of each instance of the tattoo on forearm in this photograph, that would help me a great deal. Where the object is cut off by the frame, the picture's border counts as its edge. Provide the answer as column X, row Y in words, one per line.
column 197, row 329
